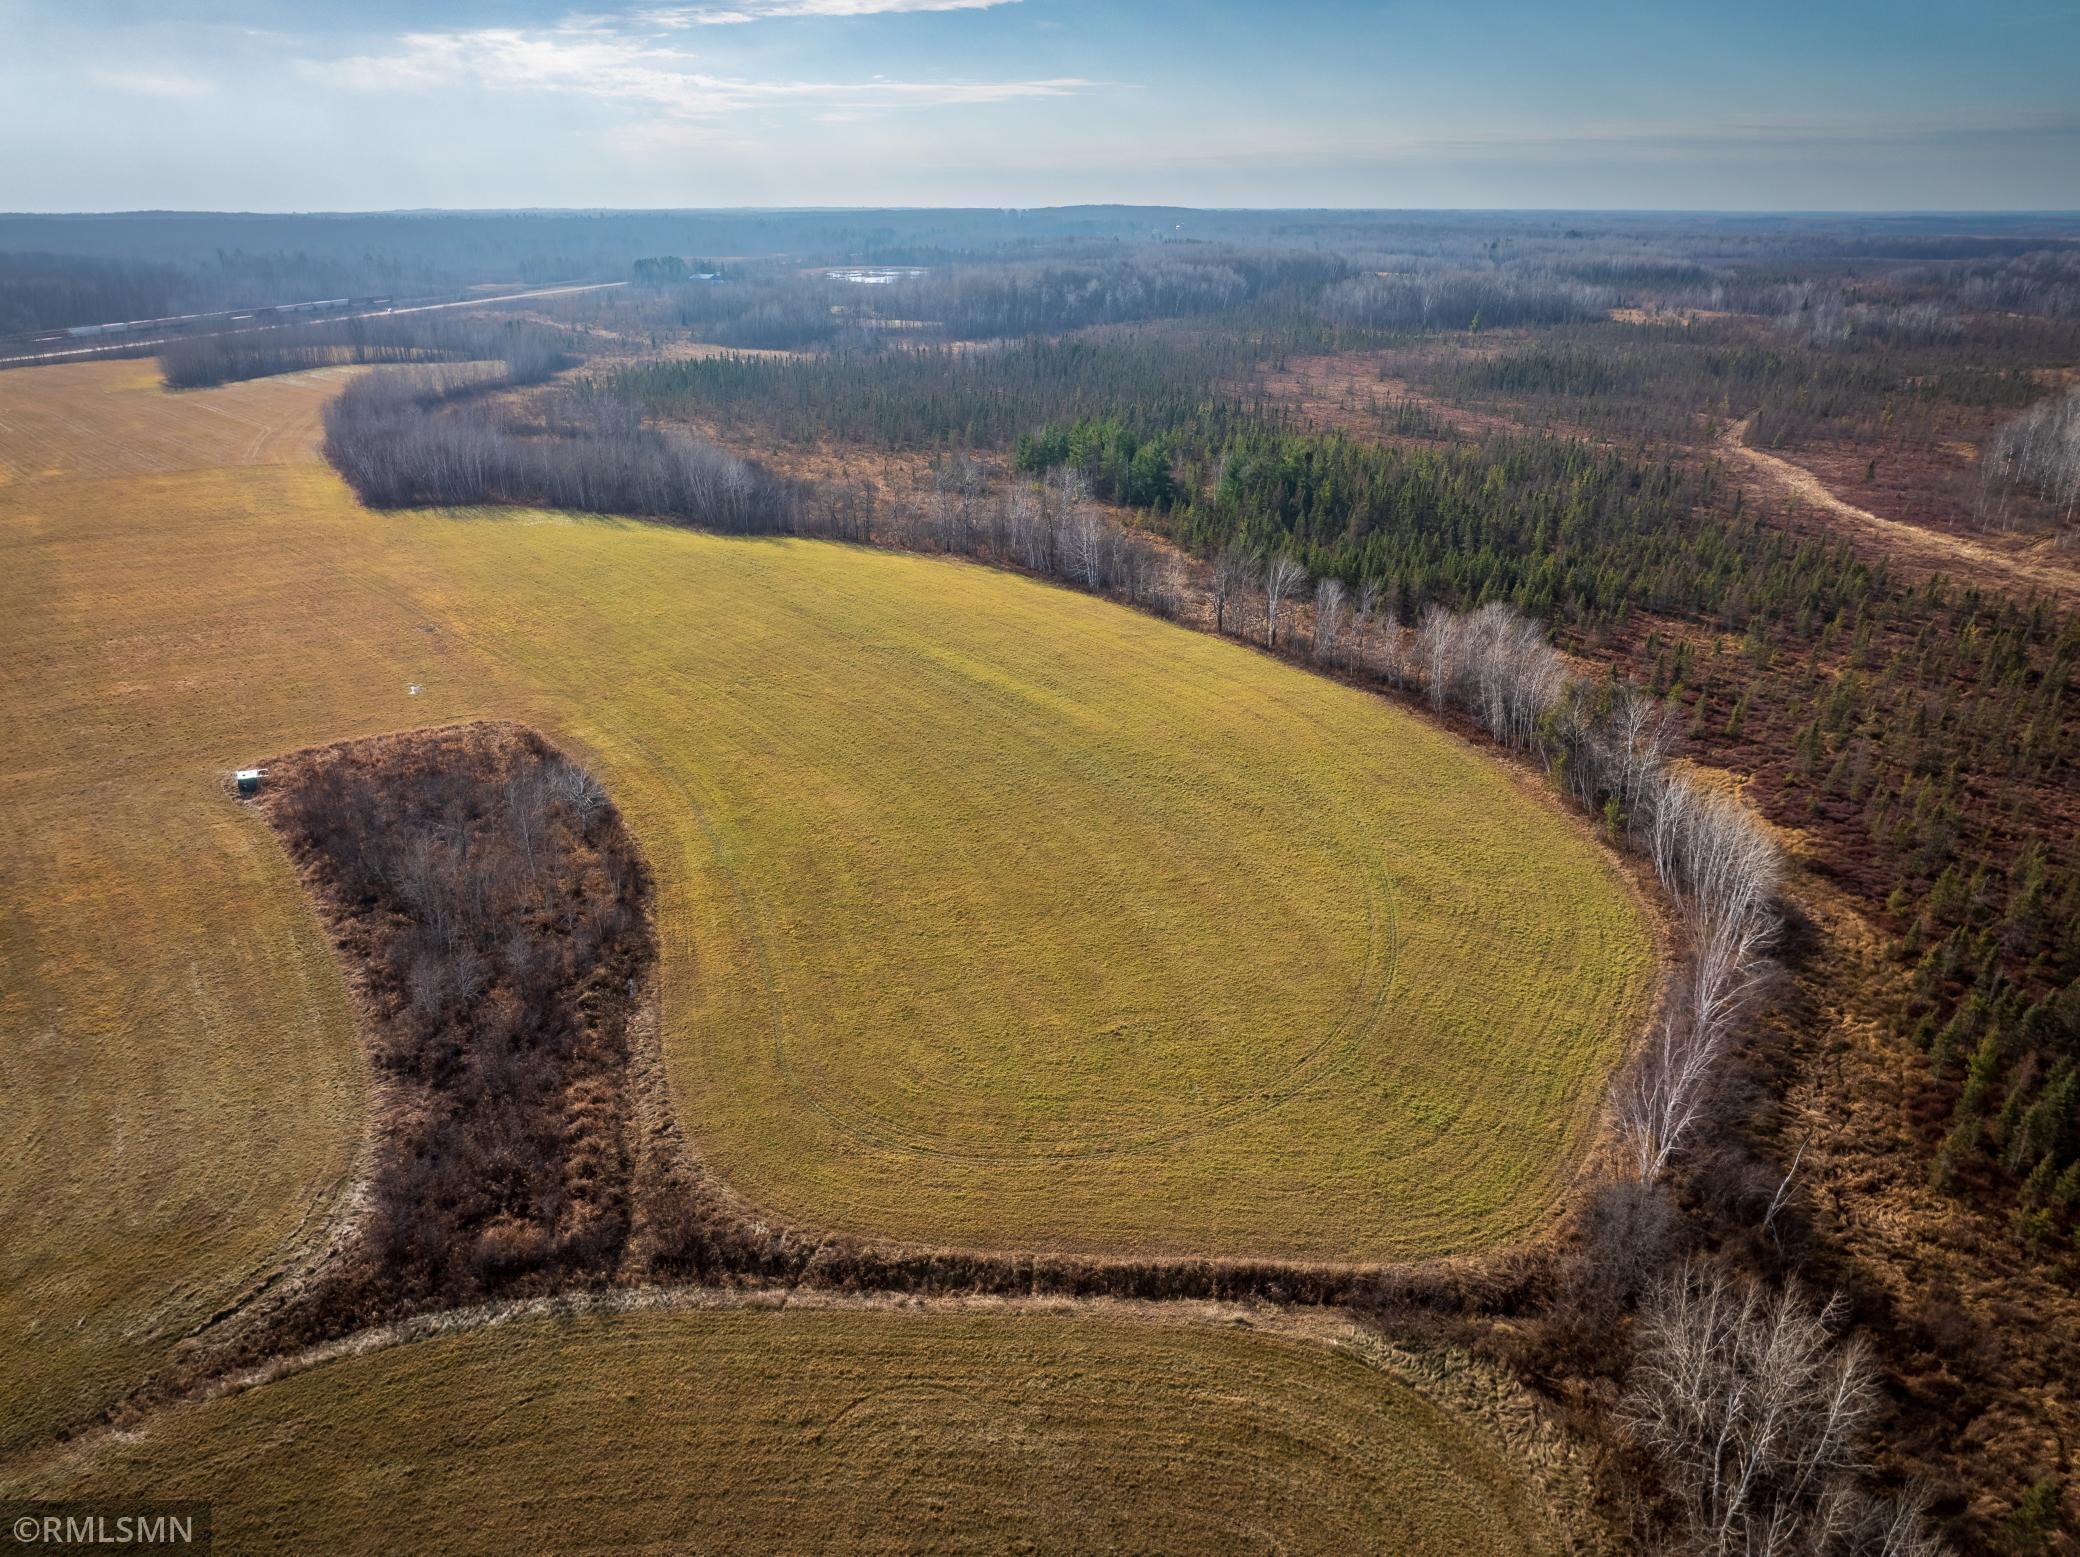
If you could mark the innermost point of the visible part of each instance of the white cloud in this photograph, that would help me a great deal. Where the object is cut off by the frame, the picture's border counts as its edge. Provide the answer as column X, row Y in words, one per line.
column 152, row 83
column 598, row 59
column 736, row 11
column 671, row 137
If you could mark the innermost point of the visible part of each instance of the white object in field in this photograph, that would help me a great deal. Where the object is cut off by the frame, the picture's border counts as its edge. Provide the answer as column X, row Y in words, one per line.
column 248, row 780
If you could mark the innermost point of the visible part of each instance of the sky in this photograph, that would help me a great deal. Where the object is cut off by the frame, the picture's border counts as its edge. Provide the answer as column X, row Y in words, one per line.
column 269, row 105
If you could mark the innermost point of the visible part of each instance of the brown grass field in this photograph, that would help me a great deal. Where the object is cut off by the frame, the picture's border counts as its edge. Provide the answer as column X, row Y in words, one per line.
column 840, row 1430
column 990, row 913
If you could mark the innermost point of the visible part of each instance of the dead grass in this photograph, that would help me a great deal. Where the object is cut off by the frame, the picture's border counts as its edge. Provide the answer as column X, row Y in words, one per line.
column 1350, row 391
column 1347, row 391
column 1985, row 1337
column 1933, row 485
column 833, row 1428
column 182, row 1080
column 1662, row 317
column 1922, row 548
column 86, row 422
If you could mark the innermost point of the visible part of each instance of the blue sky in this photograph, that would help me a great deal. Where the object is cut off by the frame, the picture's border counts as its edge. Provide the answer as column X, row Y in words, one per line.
column 269, row 105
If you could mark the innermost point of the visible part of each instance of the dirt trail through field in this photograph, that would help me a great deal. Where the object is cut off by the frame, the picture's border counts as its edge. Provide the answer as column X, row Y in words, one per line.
column 1933, row 550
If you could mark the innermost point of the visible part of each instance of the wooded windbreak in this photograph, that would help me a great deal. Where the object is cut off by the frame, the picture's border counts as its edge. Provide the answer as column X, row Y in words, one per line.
column 416, row 438
column 492, row 912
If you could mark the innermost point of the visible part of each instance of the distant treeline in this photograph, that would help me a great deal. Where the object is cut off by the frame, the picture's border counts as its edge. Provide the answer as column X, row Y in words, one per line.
column 776, row 307
column 531, row 352
column 1462, row 300
column 671, row 269
column 1677, row 385
column 1622, row 383
column 936, row 397
column 1010, row 301
column 53, row 291
column 1057, row 268
column 447, row 437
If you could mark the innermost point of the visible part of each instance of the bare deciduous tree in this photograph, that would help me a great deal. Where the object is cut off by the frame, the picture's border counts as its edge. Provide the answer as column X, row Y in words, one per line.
column 960, row 483
column 1393, row 652
column 424, row 436
column 1086, row 537
column 1437, row 646
column 1721, row 867
column 1364, row 616
column 2040, row 450
column 499, row 908
column 1642, row 730
column 1514, row 676
column 1233, row 571
column 574, row 787
column 1026, row 523
column 1756, row 1413
column 1328, row 617
column 1716, row 859
column 1281, row 579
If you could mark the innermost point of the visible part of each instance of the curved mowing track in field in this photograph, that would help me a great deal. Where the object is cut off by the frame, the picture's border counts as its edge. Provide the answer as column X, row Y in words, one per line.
column 1402, row 1055
column 842, row 1427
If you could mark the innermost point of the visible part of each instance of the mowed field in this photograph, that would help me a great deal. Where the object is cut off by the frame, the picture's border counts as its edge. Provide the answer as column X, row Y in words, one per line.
column 799, row 1430
column 990, row 913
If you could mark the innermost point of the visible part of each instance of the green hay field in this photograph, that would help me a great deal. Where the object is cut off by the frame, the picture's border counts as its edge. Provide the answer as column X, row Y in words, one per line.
column 843, row 1431
column 991, row 914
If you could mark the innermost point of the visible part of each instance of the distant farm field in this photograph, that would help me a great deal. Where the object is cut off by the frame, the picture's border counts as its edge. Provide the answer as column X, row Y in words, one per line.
column 832, row 1430
column 990, row 913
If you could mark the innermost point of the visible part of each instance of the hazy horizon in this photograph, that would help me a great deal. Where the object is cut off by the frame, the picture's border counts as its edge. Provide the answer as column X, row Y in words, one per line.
column 268, row 106
column 1905, row 213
